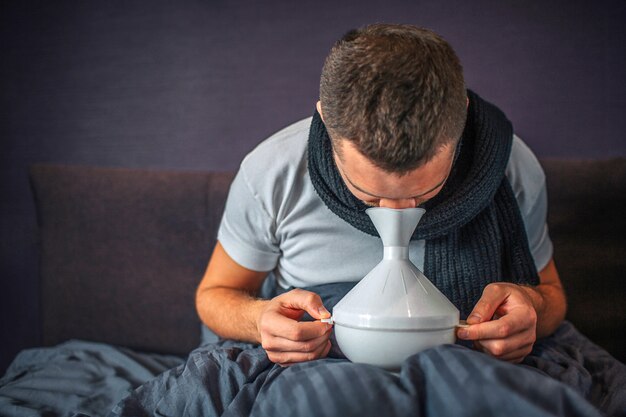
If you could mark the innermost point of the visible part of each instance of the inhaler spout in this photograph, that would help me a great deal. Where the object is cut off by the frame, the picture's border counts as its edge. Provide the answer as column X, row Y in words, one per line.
column 395, row 226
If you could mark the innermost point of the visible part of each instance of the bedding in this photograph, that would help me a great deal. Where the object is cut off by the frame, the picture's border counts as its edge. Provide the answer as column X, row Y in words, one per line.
column 566, row 375
column 235, row 379
column 76, row 378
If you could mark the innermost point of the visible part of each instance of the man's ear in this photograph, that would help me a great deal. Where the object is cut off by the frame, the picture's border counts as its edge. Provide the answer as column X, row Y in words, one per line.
column 319, row 109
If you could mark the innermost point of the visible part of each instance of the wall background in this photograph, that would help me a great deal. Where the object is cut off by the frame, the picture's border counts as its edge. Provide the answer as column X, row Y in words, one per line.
column 195, row 85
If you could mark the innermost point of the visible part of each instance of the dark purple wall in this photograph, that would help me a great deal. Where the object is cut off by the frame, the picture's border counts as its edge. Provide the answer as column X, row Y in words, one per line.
column 197, row 85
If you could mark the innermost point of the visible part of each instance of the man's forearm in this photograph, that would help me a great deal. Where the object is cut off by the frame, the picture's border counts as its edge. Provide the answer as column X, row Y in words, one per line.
column 550, row 305
column 230, row 313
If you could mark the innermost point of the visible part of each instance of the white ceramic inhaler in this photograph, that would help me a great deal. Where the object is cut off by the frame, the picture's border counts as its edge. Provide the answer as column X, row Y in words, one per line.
column 394, row 311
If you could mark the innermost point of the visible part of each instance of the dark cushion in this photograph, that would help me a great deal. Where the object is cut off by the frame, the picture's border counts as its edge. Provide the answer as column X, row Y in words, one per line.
column 587, row 220
column 122, row 252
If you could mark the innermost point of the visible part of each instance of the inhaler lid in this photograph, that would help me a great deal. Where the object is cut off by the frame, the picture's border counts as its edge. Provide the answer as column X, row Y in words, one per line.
column 396, row 297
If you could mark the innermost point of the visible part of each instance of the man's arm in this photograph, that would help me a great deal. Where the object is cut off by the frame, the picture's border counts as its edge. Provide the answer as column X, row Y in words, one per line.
column 508, row 318
column 226, row 302
column 548, row 300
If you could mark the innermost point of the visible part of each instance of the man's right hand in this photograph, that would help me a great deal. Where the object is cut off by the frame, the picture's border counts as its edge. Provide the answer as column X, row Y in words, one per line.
column 288, row 340
column 226, row 302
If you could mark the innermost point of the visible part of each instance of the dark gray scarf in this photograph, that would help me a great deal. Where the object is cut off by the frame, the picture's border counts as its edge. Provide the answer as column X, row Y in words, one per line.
column 473, row 228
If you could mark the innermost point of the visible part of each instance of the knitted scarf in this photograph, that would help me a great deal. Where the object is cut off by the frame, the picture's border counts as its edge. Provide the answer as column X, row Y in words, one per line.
column 473, row 228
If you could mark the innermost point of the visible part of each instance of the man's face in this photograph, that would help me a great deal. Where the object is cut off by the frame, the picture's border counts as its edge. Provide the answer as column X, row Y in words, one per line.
column 376, row 187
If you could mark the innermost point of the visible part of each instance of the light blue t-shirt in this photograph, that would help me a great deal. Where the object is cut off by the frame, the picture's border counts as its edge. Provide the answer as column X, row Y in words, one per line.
column 275, row 221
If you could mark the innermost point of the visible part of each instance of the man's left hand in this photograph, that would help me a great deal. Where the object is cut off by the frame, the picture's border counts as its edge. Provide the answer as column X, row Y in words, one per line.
column 503, row 322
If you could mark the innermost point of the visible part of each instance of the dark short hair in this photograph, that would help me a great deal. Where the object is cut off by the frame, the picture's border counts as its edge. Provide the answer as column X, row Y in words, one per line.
column 396, row 91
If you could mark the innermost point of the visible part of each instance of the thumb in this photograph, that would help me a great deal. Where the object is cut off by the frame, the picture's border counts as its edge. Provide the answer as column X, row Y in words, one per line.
column 493, row 296
column 307, row 301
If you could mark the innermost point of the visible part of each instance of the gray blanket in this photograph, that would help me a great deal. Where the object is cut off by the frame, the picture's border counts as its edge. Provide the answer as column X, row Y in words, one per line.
column 566, row 375
column 76, row 378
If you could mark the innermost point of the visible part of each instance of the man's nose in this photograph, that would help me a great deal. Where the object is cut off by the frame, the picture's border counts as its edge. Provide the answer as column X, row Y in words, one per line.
column 400, row 203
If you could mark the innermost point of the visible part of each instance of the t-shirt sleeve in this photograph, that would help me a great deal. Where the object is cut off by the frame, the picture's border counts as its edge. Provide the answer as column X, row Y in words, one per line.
column 537, row 230
column 246, row 231
column 529, row 185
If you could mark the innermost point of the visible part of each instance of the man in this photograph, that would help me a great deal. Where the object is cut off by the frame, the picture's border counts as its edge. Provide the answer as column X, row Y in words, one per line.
column 394, row 104
column 394, row 127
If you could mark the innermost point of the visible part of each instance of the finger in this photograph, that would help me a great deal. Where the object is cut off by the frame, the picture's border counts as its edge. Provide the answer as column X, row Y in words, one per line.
column 297, row 331
column 504, row 348
column 514, row 356
column 288, row 358
column 305, row 300
column 518, row 355
column 281, row 344
column 493, row 296
column 502, row 328
column 327, row 349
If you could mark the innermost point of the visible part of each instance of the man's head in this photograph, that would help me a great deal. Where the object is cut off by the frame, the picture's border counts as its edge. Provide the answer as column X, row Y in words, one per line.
column 396, row 92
